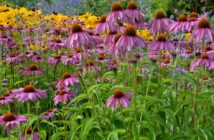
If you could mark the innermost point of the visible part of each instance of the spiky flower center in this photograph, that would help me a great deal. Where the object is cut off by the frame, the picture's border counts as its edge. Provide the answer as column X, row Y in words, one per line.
column 62, row 92
column 205, row 78
column 120, row 23
column 76, row 28
column 162, row 38
column 182, row 18
column 193, row 14
column 160, row 14
column 50, row 110
column 192, row 18
column 188, row 51
column 2, row 97
column 205, row 56
column 103, row 18
column 132, row 5
column 12, row 55
column 66, row 75
column 29, row 131
column 116, row 6
column 69, row 55
column 89, row 62
column 166, row 61
column 101, row 57
column 116, row 38
column 130, row 31
column 9, row 117
column 29, row 88
column 204, row 23
column 118, row 93
column 33, row 67
column 112, row 33
column 58, row 56
column 57, row 40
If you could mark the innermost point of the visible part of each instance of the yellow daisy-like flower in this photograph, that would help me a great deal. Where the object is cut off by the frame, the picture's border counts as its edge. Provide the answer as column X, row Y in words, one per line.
column 187, row 36
column 145, row 34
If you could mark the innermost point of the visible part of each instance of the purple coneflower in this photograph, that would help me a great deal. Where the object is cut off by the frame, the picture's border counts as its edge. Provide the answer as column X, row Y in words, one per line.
column 153, row 56
column 112, row 47
column 203, row 32
column 116, row 13
column 90, row 66
column 68, row 59
column 79, row 38
column 33, row 135
column 133, row 13
column 63, row 95
column 129, row 40
column 181, row 25
column 104, row 26
column 29, row 93
column 203, row 62
column 161, row 44
column 14, row 58
column 108, row 39
column 10, row 121
column 32, row 70
column 55, row 59
column 160, row 23
column 123, row 99
column 50, row 113
column 67, row 79
column 6, row 98
column 56, row 43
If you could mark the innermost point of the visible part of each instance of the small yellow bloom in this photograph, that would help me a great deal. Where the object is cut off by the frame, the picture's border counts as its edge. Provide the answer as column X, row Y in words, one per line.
column 187, row 36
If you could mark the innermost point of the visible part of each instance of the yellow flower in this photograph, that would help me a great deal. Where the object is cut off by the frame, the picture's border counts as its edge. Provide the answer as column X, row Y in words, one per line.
column 187, row 36
column 145, row 34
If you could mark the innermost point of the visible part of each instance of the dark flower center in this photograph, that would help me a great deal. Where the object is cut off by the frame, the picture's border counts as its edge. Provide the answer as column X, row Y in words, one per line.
column 116, row 38
column 58, row 56
column 205, row 78
column 38, row 57
column 205, row 56
column 101, row 57
column 193, row 14
column 12, row 55
column 162, row 38
column 76, row 28
column 66, row 75
column 57, row 40
column 50, row 110
column 192, row 18
column 103, row 18
column 118, row 93
column 132, row 5
column 29, row 131
column 187, row 51
column 112, row 32
column 130, row 31
column 9, row 117
column 204, row 23
column 6, row 94
column 116, row 6
column 182, row 18
column 89, row 63
column 166, row 61
column 120, row 23
column 69, row 55
column 29, row 88
column 61, row 92
column 2, row 97
column 160, row 14
column 33, row 67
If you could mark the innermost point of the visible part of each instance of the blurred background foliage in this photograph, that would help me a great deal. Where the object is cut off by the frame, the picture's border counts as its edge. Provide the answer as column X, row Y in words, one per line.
column 99, row 7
